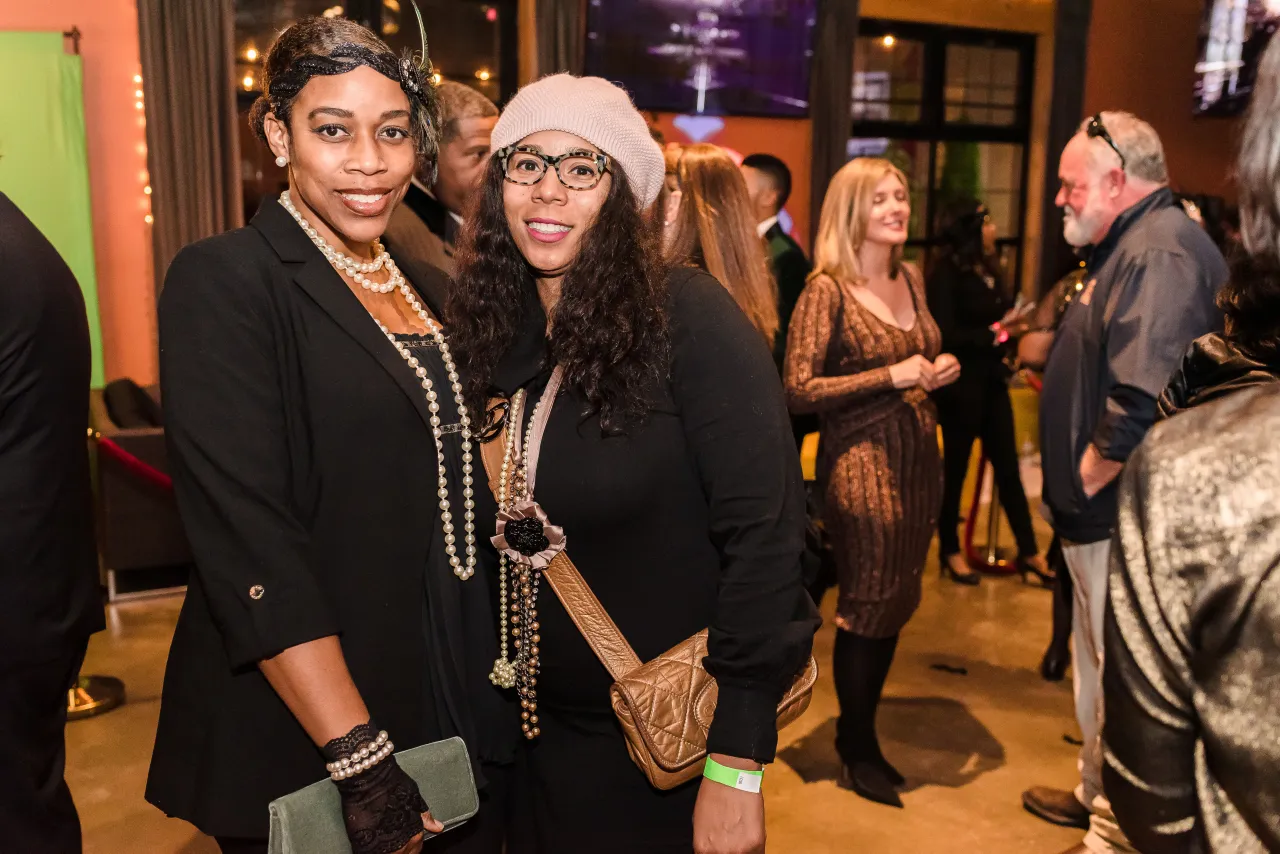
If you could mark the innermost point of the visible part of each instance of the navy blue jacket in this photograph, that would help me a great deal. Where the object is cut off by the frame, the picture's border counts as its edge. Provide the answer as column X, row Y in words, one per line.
column 1149, row 294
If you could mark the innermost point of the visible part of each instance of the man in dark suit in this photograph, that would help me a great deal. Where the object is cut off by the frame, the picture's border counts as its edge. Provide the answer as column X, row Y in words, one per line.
column 769, row 186
column 51, row 599
column 425, row 226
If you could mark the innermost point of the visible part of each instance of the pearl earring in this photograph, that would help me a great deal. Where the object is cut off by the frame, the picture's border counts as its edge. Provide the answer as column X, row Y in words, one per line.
column 282, row 161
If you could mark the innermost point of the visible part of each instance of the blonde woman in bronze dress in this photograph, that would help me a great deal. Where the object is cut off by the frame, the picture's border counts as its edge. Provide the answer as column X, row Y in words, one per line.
column 863, row 353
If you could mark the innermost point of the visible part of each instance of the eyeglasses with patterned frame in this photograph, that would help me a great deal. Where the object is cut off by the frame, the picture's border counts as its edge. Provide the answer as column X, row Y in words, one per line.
column 1097, row 130
column 578, row 169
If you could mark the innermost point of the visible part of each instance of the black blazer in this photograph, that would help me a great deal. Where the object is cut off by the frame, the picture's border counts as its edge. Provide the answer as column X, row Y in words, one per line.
column 306, row 473
column 790, row 270
column 48, row 560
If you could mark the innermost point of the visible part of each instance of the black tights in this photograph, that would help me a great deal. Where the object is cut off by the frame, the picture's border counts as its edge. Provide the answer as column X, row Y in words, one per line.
column 861, row 666
column 990, row 419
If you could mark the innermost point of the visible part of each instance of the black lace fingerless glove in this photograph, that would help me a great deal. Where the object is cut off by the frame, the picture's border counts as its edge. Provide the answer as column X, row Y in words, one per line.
column 382, row 807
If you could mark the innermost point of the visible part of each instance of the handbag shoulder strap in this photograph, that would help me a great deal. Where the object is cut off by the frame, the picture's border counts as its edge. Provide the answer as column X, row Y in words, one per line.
column 601, row 632
column 588, row 614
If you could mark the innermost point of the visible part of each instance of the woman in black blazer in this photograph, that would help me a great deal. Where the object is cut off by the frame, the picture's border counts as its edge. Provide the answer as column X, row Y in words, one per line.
column 333, row 589
column 966, row 298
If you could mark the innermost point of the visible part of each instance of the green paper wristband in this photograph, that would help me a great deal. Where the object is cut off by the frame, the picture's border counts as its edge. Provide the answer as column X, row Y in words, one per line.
column 746, row 781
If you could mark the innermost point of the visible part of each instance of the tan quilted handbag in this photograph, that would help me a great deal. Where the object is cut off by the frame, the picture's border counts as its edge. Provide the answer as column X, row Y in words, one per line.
column 665, row 706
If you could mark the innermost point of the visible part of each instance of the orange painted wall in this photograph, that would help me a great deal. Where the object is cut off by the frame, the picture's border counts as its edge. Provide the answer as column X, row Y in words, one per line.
column 117, row 170
column 788, row 139
column 1153, row 76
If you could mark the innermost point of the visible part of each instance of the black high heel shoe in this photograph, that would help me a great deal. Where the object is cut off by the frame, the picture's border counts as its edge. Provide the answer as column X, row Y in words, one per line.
column 893, row 774
column 968, row 579
column 1033, row 574
column 869, row 781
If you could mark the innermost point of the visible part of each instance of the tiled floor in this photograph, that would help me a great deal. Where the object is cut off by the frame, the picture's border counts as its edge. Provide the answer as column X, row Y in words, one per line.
column 969, row 742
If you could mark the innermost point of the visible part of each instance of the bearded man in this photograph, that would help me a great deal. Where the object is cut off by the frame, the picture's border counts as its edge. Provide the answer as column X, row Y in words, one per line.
column 1149, row 292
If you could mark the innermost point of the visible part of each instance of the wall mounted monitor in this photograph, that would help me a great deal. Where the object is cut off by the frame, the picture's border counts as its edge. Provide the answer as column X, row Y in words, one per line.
column 709, row 57
column 1233, row 36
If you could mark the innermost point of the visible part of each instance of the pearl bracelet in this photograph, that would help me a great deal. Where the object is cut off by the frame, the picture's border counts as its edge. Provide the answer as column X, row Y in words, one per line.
column 362, row 760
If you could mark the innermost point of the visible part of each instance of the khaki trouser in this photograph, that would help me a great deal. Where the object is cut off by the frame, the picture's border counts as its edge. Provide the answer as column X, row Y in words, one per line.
column 1089, row 566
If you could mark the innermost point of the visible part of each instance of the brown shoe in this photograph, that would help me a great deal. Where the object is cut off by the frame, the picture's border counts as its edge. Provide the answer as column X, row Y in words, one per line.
column 1056, row 807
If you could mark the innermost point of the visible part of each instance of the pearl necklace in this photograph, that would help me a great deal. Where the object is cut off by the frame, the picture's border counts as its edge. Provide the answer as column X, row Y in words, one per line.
column 352, row 267
column 396, row 281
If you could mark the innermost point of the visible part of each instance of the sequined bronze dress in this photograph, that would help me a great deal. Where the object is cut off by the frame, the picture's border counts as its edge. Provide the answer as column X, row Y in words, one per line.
column 879, row 462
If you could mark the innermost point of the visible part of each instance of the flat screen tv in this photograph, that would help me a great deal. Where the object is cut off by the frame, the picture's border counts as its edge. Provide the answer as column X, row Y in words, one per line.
column 711, row 57
column 1233, row 35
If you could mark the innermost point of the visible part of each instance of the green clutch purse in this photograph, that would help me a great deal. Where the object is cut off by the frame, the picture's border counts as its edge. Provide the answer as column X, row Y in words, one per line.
column 309, row 821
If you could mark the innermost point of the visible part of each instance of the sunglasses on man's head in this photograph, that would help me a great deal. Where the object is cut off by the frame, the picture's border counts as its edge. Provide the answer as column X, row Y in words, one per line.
column 1097, row 130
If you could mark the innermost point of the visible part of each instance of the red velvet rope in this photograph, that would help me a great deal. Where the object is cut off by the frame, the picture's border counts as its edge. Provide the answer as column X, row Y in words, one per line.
column 142, row 470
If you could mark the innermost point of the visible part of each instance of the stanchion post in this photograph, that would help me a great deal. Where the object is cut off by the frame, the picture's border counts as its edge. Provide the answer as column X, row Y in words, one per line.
column 993, row 560
column 94, row 695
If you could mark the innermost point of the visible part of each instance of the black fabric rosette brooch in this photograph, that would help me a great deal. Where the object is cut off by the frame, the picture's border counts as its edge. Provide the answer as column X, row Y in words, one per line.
column 526, row 536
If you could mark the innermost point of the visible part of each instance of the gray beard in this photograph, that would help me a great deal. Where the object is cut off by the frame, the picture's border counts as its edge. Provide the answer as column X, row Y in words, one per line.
column 1076, row 231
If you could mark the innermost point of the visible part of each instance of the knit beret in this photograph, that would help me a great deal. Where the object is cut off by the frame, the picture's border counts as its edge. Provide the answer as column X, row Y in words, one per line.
column 596, row 110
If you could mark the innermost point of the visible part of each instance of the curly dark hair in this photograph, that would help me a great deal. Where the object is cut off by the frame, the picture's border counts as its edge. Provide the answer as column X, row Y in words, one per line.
column 609, row 329
column 320, row 46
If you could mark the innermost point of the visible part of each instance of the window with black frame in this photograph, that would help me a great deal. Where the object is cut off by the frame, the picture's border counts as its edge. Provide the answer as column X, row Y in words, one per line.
column 469, row 41
column 951, row 107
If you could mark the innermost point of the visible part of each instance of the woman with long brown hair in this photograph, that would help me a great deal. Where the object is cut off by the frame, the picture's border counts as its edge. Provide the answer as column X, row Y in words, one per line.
column 709, row 225
column 863, row 353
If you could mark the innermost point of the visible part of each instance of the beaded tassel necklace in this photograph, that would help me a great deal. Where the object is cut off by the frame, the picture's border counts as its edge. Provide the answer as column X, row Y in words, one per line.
column 518, row 608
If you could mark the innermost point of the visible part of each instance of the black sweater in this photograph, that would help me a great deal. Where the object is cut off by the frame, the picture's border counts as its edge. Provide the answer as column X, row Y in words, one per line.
column 965, row 306
column 693, row 518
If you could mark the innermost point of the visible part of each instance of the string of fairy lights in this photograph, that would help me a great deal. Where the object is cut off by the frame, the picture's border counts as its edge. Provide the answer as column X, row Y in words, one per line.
column 251, row 55
column 144, row 176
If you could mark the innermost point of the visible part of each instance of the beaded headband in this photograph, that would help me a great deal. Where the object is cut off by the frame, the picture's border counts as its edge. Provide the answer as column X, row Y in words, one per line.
column 412, row 71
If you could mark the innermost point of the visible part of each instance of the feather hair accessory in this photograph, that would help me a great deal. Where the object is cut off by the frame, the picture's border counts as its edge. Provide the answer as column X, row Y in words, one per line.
column 416, row 72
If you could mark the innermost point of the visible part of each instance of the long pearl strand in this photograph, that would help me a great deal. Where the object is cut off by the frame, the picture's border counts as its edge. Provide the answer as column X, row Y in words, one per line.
column 462, row 569
column 504, row 670
column 352, row 267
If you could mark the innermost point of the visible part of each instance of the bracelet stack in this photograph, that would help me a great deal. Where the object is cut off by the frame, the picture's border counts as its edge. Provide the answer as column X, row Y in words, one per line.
column 362, row 759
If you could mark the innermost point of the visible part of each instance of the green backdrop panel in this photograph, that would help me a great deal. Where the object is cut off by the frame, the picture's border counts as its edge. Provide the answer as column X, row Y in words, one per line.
column 44, row 167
